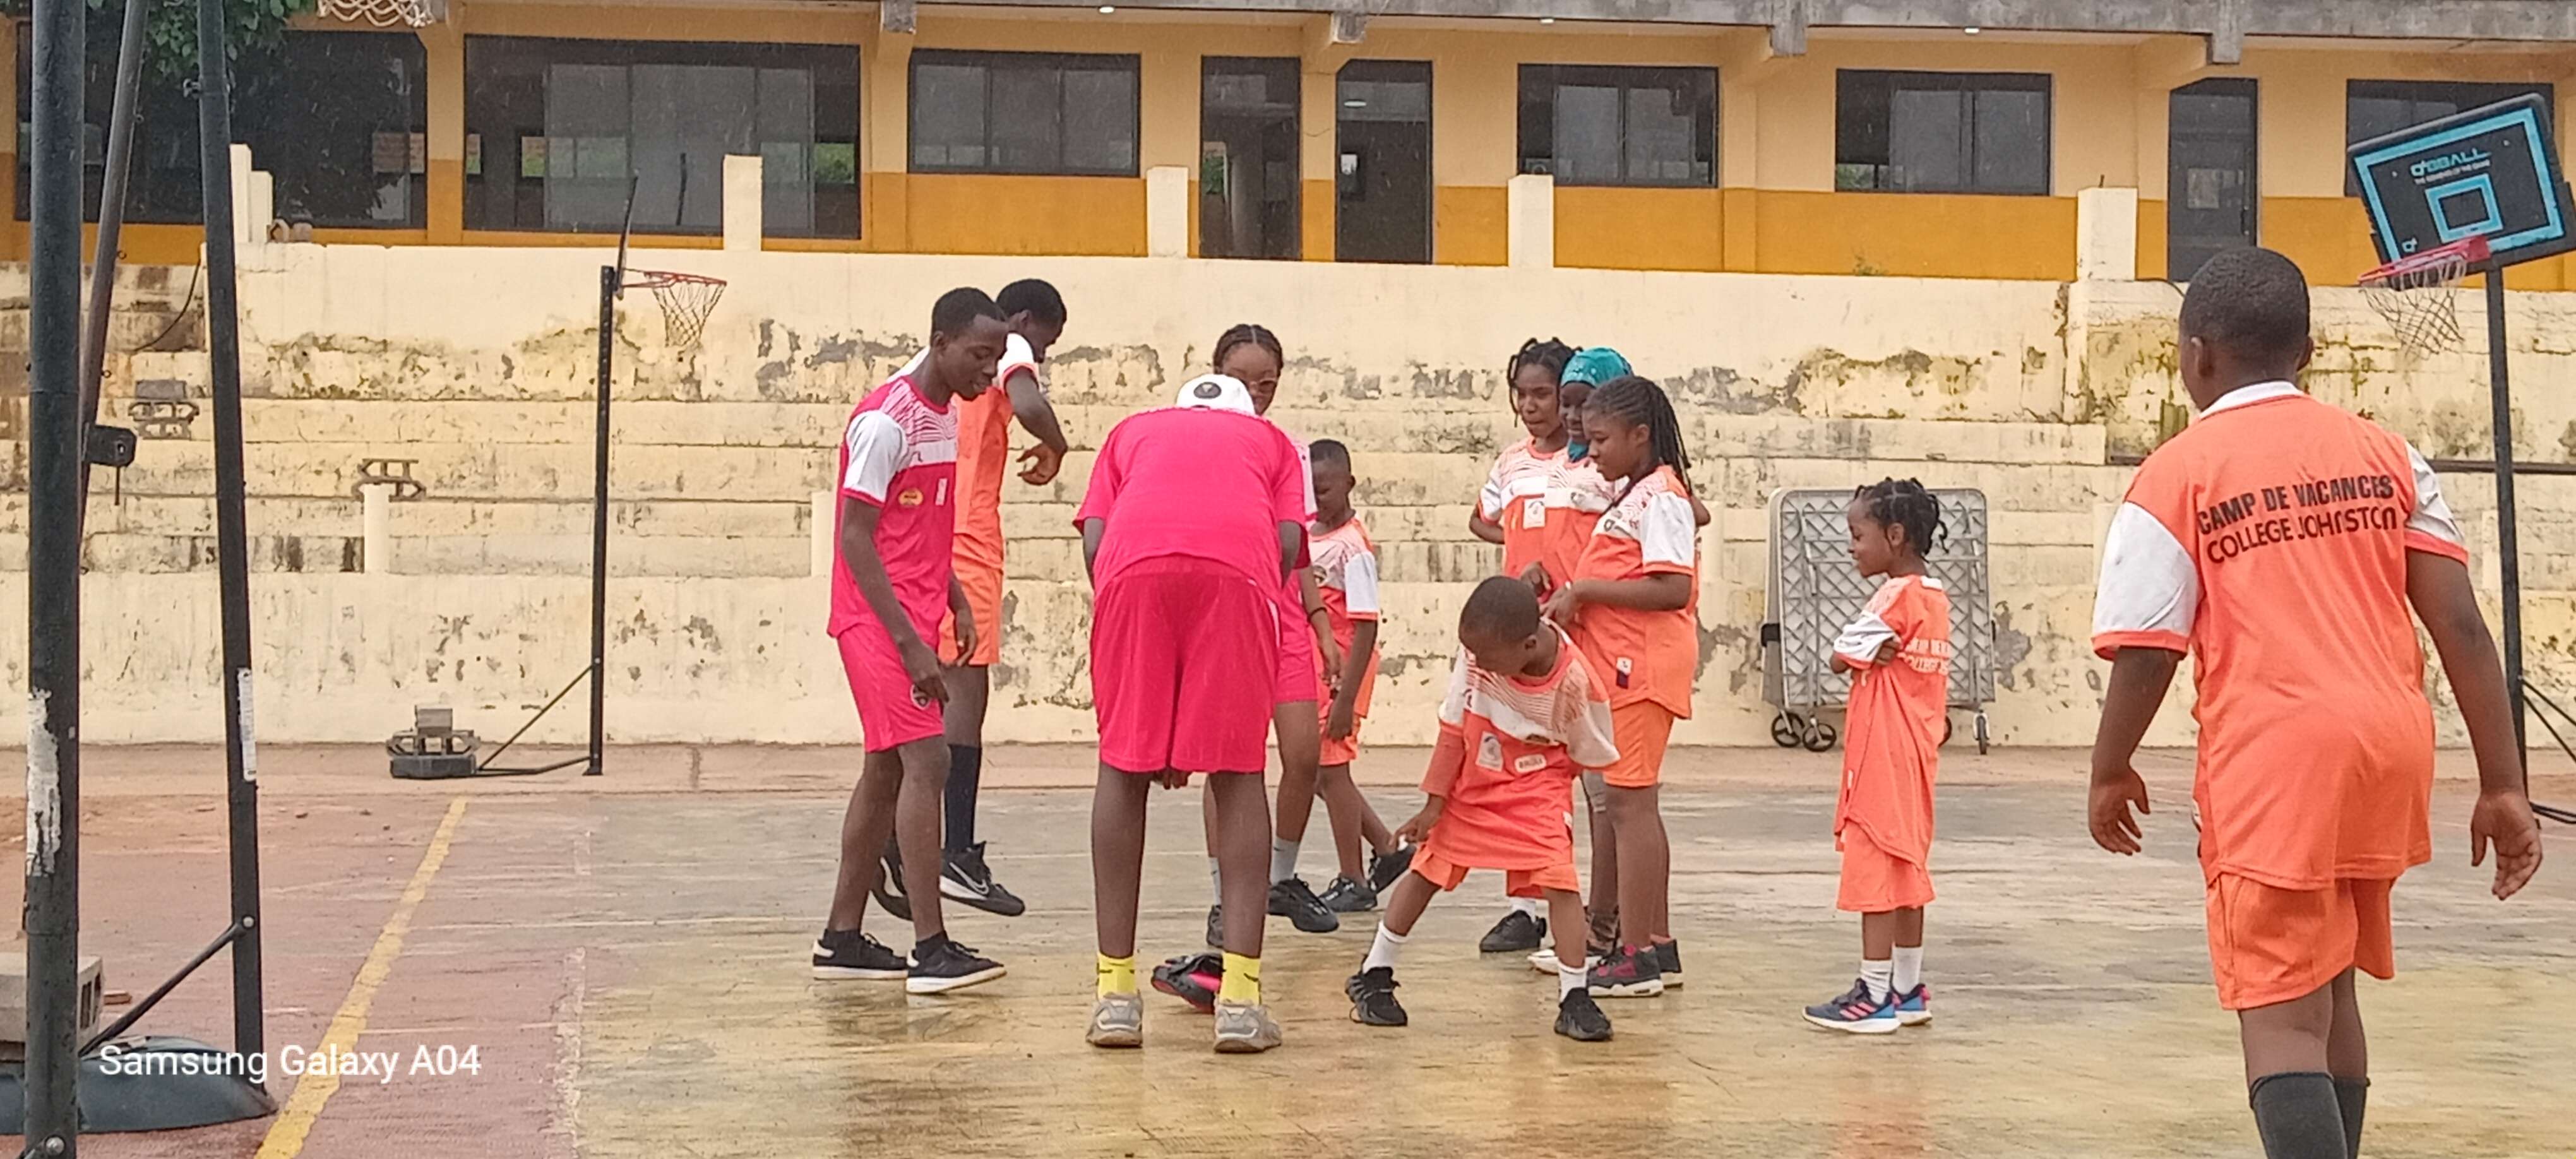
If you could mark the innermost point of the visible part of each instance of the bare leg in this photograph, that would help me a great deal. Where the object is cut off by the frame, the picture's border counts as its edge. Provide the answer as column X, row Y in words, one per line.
column 1878, row 935
column 1354, row 821
column 1405, row 900
column 1645, row 858
column 970, row 690
column 917, row 832
column 1909, row 927
column 1604, row 913
column 2347, row 1051
column 1207, row 816
column 2289, row 1037
column 1242, row 835
column 1118, row 856
column 865, row 825
column 1301, row 745
column 1565, row 919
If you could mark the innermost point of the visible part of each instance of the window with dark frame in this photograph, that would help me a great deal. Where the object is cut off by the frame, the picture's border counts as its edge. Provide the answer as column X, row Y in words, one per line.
column 1024, row 113
column 554, row 128
column 1619, row 124
column 1941, row 132
column 2373, row 108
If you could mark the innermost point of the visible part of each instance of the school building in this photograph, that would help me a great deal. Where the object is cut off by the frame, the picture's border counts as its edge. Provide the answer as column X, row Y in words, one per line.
column 1903, row 137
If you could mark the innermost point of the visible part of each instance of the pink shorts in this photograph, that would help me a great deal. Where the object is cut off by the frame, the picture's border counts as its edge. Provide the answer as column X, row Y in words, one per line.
column 1183, row 652
column 1301, row 668
column 891, row 712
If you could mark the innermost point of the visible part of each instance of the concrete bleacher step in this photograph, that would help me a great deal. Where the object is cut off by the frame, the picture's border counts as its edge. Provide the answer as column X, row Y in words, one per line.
column 195, row 515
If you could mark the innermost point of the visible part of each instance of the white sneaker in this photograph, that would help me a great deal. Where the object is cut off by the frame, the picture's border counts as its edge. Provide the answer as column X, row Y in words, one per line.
column 1244, row 1028
column 1545, row 962
column 1117, row 1020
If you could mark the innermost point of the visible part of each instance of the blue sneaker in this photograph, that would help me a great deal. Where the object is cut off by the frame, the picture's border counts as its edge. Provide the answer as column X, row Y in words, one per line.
column 1914, row 1007
column 1856, row 1012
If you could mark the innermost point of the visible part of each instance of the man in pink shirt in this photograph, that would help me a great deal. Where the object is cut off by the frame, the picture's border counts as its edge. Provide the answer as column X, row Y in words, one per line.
column 1194, row 515
column 892, row 584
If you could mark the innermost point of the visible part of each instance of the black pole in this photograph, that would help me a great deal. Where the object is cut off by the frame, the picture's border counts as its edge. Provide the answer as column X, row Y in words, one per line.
column 232, row 524
column 54, row 454
column 609, row 279
column 2508, row 552
column 111, row 225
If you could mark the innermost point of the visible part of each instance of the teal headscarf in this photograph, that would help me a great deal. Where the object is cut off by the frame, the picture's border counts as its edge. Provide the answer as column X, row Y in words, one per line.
column 1592, row 366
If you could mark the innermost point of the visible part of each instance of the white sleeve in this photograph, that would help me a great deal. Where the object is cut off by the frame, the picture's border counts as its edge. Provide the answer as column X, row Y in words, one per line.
column 1590, row 738
column 1359, row 584
column 914, row 367
column 1306, row 471
column 1862, row 638
column 2432, row 518
column 1666, row 530
column 1017, row 356
column 1490, row 500
column 1453, row 704
column 876, row 452
column 2149, row 591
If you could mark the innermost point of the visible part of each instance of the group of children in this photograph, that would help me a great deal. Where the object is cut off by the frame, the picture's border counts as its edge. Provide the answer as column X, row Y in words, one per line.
column 1236, row 598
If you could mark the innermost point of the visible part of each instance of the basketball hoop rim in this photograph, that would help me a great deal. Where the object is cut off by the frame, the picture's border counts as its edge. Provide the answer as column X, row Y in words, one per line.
column 664, row 279
column 2467, row 255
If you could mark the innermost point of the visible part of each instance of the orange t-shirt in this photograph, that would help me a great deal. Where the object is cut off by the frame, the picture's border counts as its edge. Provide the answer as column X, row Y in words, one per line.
column 1546, row 505
column 1646, row 655
column 1892, row 741
column 1345, row 562
column 983, row 455
column 1510, row 748
column 2269, row 540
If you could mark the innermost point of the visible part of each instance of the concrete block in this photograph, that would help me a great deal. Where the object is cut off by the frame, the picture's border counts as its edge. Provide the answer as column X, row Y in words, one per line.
column 2106, row 235
column 1167, row 211
column 13, row 999
column 1531, row 211
column 743, row 195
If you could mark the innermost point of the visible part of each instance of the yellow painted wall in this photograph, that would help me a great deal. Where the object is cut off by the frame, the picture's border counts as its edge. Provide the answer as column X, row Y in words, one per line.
column 976, row 214
column 1915, row 235
column 1640, row 229
column 1469, row 225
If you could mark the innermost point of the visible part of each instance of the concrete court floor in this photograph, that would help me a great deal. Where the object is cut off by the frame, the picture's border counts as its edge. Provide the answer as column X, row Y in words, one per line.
column 626, row 953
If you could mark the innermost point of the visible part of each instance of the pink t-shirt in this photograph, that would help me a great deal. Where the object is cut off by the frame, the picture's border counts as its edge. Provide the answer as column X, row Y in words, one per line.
column 899, row 455
column 1194, row 481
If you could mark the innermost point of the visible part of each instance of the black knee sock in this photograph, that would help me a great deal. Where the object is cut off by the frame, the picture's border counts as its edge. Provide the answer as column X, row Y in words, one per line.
column 965, row 774
column 2298, row 1116
column 2351, row 1095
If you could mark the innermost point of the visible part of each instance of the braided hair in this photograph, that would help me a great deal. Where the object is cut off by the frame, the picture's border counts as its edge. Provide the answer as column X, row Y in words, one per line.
column 1547, row 352
column 1903, row 503
column 1640, row 402
column 1252, row 332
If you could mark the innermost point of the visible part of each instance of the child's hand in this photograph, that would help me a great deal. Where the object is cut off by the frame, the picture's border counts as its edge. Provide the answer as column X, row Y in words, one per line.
column 1562, row 605
column 1332, row 664
column 1535, row 575
column 2108, row 813
column 1887, row 651
column 1043, row 463
column 1419, row 826
column 1338, row 725
column 2504, row 820
column 921, row 666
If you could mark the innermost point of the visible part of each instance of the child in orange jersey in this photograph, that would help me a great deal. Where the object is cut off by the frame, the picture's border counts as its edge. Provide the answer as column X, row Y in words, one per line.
column 1345, row 570
column 2281, row 541
column 1525, row 713
column 1631, row 606
column 1899, row 651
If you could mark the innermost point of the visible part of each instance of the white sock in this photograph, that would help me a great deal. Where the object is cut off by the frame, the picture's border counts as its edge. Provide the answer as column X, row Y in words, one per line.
column 1216, row 882
column 1568, row 980
column 1283, row 859
column 1530, row 906
column 1909, row 969
column 1382, row 952
column 1877, row 975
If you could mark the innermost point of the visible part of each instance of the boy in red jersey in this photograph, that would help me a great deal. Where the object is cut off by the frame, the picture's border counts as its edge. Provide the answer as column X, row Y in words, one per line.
column 2281, row 542
column 892, row 581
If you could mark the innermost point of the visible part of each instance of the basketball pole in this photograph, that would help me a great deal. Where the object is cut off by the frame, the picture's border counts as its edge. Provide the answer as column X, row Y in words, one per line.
column 610, row 278
column 2508, row 550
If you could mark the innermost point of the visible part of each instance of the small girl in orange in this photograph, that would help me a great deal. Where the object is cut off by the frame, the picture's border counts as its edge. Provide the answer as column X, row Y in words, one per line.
column 1899, row 653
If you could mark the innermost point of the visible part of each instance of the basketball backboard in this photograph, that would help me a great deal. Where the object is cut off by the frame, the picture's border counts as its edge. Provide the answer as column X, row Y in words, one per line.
column 2489, row 172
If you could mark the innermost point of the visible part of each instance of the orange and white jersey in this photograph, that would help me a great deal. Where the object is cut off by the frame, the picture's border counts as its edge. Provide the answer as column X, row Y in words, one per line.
column 1892, row 737
column 1546, row 505
column 1651, row 530
column 2269, row 540
column 1513, row 746
column 1345, row 563
column 983, row 452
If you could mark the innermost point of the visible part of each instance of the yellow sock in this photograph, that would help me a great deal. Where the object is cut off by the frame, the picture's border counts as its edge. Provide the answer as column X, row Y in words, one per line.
column 1242, row 980
column 1117, row 975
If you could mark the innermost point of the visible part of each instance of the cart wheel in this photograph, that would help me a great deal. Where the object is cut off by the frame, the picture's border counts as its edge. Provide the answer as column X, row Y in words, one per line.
column 1983, row 738
column 1949, row 728
column 1784, row 731
column 1819, row 737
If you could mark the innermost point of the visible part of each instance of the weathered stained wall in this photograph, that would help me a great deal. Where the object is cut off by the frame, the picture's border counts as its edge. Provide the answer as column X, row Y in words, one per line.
column 477, row 366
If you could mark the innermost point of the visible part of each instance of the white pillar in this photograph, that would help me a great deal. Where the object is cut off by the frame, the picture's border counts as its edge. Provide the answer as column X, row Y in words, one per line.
column 742, row 198
column 246, row 232
column 2106, row 235
column 262, row 209
column 1532, row 212
column 819, row 540
column 379, row 524
column 1167, row 212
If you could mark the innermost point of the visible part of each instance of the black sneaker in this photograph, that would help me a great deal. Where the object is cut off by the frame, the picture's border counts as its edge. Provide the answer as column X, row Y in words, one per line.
column 1516, row 933
column 1580, row 1018
column 841, row 955
column 943, row 965
column 1290, row 898
column 1668, row 955
column 1373, row 1001
column 1192, row 978
column 965, row 878
column 1385, row 867
column 889, row 889
column 1216, row 927
column 1345, row 896
column 1628, row 972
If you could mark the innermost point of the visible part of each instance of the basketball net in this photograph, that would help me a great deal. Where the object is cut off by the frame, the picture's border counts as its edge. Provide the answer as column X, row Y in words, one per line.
column 2414, row 296
column 686, row 301
column 384, row 13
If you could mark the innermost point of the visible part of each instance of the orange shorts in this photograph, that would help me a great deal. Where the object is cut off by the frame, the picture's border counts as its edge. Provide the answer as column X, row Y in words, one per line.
column 1642, row 731
column 2268, row 944
column 1876, row 881
column 1446, row 874
column 1347, row 749
column 984, row 598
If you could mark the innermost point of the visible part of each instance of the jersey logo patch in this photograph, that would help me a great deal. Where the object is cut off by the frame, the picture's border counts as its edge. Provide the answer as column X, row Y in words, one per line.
column 1534, row 512
column 1489, row 751
column 1625, row 667
column 911, row 497
column 1530, row 763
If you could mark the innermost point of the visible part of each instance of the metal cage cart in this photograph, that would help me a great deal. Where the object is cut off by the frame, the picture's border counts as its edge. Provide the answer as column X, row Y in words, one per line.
column 1814, row 591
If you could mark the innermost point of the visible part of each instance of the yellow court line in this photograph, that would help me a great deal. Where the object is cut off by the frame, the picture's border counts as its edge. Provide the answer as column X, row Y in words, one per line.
column 286, row 1136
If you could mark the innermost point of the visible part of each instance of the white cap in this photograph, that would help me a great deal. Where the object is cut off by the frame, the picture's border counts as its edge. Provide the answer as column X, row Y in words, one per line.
column 1216, row 392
